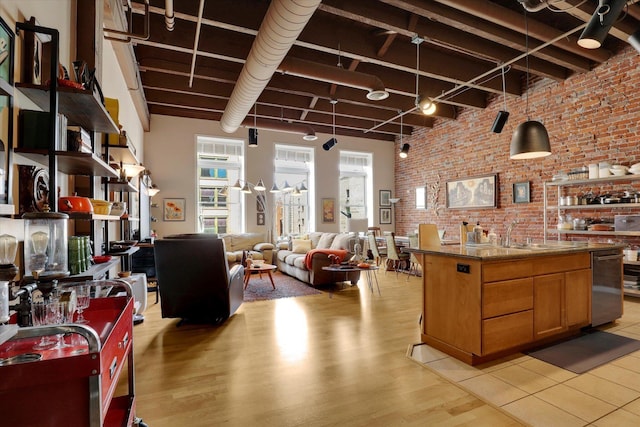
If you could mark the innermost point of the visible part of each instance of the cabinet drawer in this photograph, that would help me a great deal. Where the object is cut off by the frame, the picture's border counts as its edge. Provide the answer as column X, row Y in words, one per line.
column 561, row 263
column 501, row 333
column 507, row 270
column 510, row 296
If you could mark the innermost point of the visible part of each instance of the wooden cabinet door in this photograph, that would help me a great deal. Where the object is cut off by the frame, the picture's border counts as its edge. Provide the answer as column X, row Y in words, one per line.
column 578, row 296
column 549, row 305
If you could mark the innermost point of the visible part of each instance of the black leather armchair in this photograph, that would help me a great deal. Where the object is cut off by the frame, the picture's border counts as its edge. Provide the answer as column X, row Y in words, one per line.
column 195, row 281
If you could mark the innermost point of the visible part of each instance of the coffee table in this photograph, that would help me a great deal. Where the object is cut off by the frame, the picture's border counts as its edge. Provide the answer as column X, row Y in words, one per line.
column 368, row 271
column 261, row 268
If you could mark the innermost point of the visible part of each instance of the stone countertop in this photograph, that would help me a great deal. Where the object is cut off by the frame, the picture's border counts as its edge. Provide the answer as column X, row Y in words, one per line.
column 486, row 252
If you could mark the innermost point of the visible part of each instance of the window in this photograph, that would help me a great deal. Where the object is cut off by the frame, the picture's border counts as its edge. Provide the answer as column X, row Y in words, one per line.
column 294, row 210
column 356, row 186
column 219, row 165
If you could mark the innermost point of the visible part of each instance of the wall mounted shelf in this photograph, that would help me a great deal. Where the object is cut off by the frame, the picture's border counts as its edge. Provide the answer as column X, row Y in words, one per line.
column 115, row 185
column 5, row 88
column 71, row 162
column 81, row 107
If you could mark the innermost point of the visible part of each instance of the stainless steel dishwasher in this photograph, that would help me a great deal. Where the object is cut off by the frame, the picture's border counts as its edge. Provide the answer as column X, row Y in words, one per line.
column 606, row 293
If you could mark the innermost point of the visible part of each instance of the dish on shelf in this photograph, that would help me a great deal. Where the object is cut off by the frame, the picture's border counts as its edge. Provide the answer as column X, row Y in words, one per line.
column 601, row 227
column 101, row 259
column 101, row 207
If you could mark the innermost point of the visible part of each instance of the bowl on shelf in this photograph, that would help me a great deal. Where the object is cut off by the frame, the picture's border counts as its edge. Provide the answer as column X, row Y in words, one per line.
column 101, row 207
column 118, row 208
column 619, row 171
column 101, row 259
column 122, row 274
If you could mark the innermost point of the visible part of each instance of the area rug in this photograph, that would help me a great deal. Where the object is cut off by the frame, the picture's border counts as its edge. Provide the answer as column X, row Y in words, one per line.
column 260, row 289
column 586, row 352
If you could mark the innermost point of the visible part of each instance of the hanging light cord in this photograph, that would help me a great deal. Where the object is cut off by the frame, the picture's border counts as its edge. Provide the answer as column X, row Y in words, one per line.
column 333, row 107
column 400, row 127
column 417, row 68
column 504, row 90
column 255, row 115
column 526, row 49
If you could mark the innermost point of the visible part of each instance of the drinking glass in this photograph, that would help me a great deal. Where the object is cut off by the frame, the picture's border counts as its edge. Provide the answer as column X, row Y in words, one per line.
column 82, row 299
column 42, row 313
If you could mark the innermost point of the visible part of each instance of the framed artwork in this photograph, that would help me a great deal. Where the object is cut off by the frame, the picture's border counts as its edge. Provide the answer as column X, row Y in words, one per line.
column 471, row 193
column 261, row 202
column 260, row 219
column 421, row 197
column 521, row 192
column 32, row 65
column 385, row 215
column 329, row 210
column 173, row 209
column 385, row 197
column 6, row 53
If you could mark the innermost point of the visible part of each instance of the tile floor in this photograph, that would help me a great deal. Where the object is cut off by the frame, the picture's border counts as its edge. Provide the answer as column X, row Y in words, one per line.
column 541, row 394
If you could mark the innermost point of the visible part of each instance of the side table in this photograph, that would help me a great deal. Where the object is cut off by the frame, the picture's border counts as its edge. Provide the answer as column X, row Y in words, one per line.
column 261, row 268
column 368, row 271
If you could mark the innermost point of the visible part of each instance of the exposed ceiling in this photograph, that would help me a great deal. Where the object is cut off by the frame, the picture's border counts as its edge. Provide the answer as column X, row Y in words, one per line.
column 466, row 42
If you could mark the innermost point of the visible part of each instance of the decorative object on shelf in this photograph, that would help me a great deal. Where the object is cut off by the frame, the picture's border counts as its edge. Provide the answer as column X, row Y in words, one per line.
column 474, row 192
column 46, row 248
column 8, row 271
column 33, row 188
column 385, row 195
column 173, row 209
column 32, row 59
column 521, row 192
column 328, row 210
column 530, row 140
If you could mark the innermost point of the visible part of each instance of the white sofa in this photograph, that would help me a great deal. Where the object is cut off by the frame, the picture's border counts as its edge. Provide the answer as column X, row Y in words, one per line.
column 291, row 257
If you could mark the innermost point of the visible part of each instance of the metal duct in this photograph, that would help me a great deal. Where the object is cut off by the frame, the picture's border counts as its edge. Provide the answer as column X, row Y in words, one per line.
column 169, row 17
column 282, row 24
column 337, row 75
column 307, row 131
column 533, row 5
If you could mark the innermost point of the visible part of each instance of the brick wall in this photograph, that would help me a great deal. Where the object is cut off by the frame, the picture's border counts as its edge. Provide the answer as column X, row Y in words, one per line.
column 590, row 117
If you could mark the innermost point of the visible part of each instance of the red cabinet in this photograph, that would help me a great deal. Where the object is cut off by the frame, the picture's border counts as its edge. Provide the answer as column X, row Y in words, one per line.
column 73, row 385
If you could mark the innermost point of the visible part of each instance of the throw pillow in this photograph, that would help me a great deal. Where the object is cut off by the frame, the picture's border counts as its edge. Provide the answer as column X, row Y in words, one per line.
column 301, row 246
column 341, row 241
column 325, row 241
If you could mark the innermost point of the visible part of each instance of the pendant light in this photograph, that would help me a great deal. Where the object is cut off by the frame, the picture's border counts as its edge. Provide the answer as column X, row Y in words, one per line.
column 530, row 140
column 600, row 23
column 423, row 103
column 333, row 141
column 503, row 115
column 253, row 132
column 404, row 152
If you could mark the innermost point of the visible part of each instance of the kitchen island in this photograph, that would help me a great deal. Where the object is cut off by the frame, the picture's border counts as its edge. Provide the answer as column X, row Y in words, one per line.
column 484, row 302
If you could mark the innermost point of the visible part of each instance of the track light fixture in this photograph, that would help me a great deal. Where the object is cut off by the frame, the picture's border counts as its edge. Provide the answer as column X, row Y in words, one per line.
column 329, row 144
column 503, row 115
column 405, row 151
column 600, row 23
column 253, row 137
column 426, row 105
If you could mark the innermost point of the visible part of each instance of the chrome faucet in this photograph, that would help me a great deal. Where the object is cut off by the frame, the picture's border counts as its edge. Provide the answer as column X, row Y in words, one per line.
column 507, row 242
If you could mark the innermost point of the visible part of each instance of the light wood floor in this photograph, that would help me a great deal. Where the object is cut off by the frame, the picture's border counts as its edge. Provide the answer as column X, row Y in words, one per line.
column 330, row 359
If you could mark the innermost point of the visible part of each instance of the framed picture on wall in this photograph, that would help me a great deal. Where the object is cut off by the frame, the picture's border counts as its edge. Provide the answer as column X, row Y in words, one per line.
column 173, row 209
column 385, row 197
column 521, row 192
column 329, row 210
column 385, row 215
column 6, row 53
column 474, row 192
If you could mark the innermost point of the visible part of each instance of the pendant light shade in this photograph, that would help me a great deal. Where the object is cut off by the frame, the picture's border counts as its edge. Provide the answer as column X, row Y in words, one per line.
column 253, row 137
column 600, row 23
column 405, row 151
column 260, row 185
column 530, row 140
